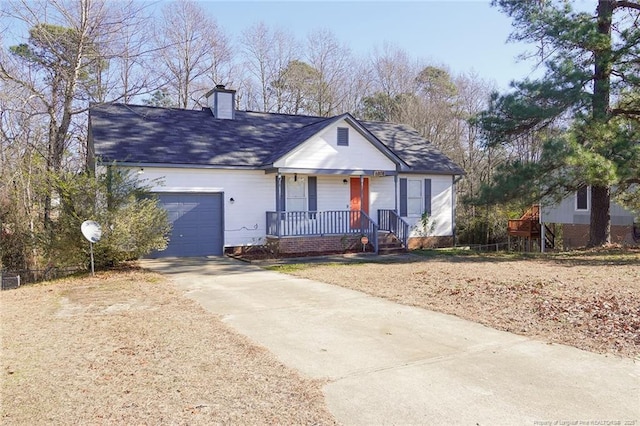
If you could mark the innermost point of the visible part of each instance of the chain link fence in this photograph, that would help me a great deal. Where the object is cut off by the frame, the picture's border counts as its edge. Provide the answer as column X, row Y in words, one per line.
column 14, row 279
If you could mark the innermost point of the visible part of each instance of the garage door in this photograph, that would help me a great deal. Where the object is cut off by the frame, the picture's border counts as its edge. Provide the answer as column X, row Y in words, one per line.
column 197, row 224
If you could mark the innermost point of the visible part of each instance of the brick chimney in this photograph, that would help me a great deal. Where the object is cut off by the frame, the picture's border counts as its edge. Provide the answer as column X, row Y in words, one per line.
column 222, row 102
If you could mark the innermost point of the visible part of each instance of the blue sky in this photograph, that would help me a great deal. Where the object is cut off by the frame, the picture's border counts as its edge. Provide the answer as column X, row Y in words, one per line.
column 463, row 35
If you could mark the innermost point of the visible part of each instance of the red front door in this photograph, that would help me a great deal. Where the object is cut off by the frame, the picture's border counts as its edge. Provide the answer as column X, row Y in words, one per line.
column 359, row 200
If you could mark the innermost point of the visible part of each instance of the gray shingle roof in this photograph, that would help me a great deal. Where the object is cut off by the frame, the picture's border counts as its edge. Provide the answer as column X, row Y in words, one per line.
column 414, row 150
column 143, row 134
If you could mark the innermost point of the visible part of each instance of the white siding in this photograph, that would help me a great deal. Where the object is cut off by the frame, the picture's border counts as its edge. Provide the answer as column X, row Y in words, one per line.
column 382, row 193
column 333, row 193
column 322, row 152
column 441, row 206
column 565, row 212
column 253, row 193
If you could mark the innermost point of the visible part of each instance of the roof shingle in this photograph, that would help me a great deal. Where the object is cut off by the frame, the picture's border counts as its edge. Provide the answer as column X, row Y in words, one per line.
column 144, row 134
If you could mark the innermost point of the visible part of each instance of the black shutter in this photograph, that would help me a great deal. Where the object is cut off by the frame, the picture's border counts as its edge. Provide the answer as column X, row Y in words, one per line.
column 403, row 197
column 427, row 196
column 313, row 193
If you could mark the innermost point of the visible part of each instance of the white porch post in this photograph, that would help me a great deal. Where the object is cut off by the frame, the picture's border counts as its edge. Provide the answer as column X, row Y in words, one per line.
column 361, row 191
column 279, row 207
column 395, row 190
column 361, row 203
column 541, row 229
column 278, row 194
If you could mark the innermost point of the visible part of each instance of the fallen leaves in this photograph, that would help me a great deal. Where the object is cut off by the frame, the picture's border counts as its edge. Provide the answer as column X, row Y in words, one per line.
column 587, row 300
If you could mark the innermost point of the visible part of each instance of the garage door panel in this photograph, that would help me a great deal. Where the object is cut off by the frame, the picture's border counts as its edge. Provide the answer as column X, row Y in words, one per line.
column 197, row 221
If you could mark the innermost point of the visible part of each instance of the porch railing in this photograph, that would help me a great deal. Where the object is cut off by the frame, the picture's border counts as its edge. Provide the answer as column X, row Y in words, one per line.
column 332, row 222
column 523, row 228
column 389, row 220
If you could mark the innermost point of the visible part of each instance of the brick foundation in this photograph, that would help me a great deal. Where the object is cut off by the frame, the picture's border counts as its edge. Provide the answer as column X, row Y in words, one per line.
column 307, row 245
column 291, row 246
column 574, row 236
column 416, row 243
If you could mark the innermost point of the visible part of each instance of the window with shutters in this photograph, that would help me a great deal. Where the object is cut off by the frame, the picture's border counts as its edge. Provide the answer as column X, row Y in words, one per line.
column 415, row 205
column 415, row 197
column 296, row 193
column 343, row 136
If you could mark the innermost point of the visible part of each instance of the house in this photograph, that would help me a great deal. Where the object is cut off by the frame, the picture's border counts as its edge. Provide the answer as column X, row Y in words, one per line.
column 571, row 216
column 574, row 214
column 297, row 184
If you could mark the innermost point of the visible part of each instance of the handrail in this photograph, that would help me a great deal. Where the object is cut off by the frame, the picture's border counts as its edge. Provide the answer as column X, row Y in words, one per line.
column 532, row 213
column 549, row 236
column 332, row 222
column 390, row 220
column 522, row 227
column 369, row 229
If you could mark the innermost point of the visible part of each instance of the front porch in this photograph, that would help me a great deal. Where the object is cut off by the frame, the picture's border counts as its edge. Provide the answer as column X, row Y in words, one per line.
column 333, row 231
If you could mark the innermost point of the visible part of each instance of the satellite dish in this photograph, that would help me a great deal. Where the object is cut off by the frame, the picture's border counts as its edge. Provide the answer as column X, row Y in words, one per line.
column 91, row 231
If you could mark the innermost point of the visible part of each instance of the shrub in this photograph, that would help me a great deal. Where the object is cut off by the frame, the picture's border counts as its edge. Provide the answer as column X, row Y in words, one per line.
column 133, row 224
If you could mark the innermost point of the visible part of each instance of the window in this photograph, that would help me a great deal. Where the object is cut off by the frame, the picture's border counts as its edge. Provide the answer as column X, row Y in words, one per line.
column 414, row 198
column 582, row 198
column 343, row 136
column 293, row 193
column 296, row 193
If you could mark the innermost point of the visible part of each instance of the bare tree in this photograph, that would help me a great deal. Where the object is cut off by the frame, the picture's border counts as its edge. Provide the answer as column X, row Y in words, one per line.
column 393, row 90
column 66, row 60
column 436, row 115
column 357, row 87
column 394, row 71
column 332, row 61
column 267, row 52
column 133, row 51
column 192, row 51
column 256, row 46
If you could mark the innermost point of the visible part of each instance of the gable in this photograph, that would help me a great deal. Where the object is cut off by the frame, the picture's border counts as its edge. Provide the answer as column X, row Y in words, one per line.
column 328, row 149
column 134, row 134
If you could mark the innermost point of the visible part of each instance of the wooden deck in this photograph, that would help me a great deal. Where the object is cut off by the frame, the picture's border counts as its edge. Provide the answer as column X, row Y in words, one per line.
column 528, row 225
column 524, row 228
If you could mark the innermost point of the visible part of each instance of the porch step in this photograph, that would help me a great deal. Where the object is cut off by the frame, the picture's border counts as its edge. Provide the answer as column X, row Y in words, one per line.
column 388, row 243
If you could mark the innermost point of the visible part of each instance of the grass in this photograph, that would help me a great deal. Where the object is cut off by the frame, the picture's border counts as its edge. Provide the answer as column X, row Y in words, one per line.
column 588, row 299
column 619, row 256
column 128, row 348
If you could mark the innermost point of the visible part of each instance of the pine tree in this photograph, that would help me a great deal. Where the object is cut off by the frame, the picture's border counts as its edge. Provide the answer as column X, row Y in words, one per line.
column 585, row 106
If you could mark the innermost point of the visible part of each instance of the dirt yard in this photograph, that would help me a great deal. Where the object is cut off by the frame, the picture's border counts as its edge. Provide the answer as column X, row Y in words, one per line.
column 590, row 300
column 126, row 348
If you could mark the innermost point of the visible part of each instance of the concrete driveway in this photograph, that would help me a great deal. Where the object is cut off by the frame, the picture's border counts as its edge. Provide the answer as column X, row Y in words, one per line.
column 387, row 363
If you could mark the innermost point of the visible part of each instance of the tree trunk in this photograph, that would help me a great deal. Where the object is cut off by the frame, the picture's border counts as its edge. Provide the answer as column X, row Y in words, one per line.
column 600, row 223
column 600, row 229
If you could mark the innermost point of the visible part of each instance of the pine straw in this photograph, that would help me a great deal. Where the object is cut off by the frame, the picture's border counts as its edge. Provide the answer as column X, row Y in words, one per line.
column 588, row 300
column 126, row 348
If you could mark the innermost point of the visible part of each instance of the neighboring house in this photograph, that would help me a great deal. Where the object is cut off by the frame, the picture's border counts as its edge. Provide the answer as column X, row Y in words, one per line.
column 233, row 179
column 574, row 213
